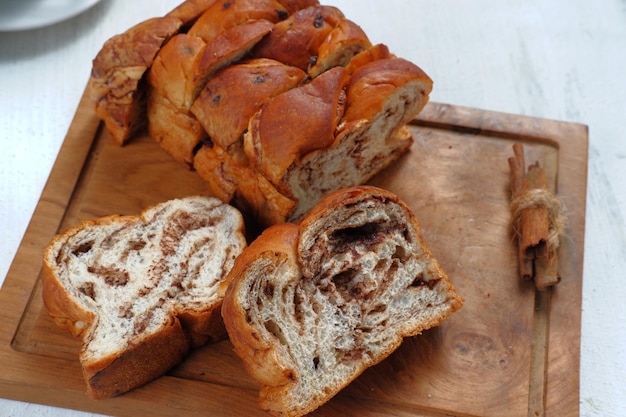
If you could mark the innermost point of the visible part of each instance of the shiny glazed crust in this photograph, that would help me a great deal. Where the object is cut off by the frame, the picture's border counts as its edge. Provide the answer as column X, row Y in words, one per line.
column 280, row 145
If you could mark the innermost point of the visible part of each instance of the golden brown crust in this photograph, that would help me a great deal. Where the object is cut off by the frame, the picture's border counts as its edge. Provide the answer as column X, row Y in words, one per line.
column 295, row 123
column 226, row 14
column 261, row 201
column 345, row 41
column 190, row 10
column 118, row 70
column 377, row 79
column 178, row 132
column 293, row 6
column 224, row 107
column 283, row 267
column 229, row 47
column 173, row 67
column 261, row 359
column 281, row 138
column 376, row 52
column 116, row 375
column 202, row 327
column 146, row 39
column 296, row 41
column 220, row 170
column 235, row 93
column 76, row 304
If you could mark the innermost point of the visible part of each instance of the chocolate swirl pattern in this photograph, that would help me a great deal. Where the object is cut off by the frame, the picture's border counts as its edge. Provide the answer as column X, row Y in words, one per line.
column 141, row 290
column 311, row 306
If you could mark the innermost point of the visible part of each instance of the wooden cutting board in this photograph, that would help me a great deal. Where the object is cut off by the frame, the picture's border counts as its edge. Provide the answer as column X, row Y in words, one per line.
column 510, row 351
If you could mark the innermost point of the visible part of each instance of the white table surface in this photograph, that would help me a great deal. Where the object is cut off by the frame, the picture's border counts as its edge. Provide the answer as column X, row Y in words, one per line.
column 557, row 59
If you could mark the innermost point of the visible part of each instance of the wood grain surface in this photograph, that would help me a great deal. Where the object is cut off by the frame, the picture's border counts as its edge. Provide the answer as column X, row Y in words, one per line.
column 483, row 361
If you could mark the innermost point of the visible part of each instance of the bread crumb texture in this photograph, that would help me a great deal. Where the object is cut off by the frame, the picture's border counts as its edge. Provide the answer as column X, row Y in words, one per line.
column 363, row 280
column 131, row 276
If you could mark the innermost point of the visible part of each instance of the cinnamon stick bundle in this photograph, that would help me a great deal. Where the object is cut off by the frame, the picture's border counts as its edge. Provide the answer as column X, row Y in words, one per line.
column 538, row 221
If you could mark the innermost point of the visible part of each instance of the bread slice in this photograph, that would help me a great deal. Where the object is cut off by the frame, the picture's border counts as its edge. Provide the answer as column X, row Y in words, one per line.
column 141, row 290
column 309, row 307
column 171, row 72
column 344, row 42
column 295, row 41
column 224, row 108
column 118, row 71
column 178, row 75
column 235, row 93
column 190, row 10
column 227, row 14
column 119, row 68
column 341, row 129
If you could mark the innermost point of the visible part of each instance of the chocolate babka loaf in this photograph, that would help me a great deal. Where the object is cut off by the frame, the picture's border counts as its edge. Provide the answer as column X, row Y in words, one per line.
column 273, row 102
